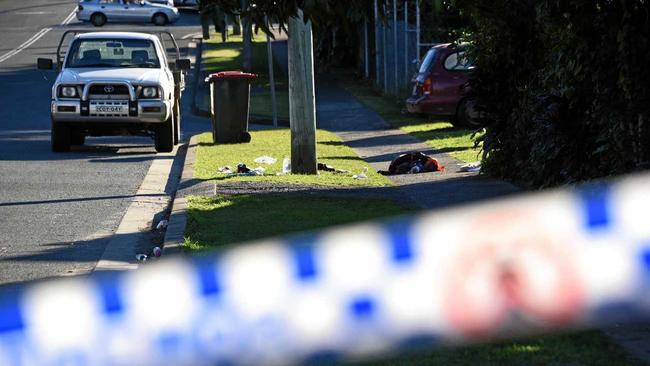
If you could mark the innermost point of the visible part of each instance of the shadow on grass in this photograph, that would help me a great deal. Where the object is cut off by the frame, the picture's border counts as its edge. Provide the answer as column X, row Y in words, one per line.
column 268, row 210
column 331, row 143
column 221, row 220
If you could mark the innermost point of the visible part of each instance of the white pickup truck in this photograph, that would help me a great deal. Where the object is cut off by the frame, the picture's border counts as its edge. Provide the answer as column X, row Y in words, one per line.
column 116, row 83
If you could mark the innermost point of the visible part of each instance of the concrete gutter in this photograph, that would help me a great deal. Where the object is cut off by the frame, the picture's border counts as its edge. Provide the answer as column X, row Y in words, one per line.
column 175, row 235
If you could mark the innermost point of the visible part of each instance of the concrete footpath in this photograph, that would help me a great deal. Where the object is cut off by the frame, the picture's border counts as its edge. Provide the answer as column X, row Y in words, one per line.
column 377, row 143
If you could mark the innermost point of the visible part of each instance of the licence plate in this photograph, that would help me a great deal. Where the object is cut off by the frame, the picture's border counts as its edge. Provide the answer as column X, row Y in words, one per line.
column 109, row 109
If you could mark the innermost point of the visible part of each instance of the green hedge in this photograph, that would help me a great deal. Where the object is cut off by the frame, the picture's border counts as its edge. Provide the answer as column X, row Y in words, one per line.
column 564, row 85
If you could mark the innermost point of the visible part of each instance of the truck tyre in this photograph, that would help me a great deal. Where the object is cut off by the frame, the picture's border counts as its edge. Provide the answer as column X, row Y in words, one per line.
column 177, row 121
column 77, row 138
column 159, row 19
column 98, row 19
column 164, row 139
column 60, row 137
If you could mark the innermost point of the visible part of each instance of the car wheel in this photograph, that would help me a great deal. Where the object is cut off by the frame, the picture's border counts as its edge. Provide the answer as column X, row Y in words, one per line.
column 77, row 138
column 159, row 19
column 466, row 115
column 60, row 137
column 177, row 121
column 164, row 139
column 98, row 19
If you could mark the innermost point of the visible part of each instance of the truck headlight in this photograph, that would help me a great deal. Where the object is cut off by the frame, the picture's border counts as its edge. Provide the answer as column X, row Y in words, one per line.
column 149, row 92
column 68, row 91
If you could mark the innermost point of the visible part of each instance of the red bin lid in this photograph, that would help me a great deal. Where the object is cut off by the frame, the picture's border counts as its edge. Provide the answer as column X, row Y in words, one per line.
column 231, row 75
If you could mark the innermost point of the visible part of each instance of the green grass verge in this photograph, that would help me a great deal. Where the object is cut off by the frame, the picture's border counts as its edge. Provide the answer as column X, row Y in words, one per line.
column 222, row 56
column 588, row 348
column 217, row 221
column 261, row 104
column 439, row 135
column 277, row 143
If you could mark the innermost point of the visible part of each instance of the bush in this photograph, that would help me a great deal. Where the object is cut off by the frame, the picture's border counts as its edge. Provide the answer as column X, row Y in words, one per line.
column 564, row 87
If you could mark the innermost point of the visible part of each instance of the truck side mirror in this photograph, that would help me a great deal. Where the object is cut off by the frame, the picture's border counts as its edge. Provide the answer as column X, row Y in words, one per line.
column 183, row 64
column 44, row 64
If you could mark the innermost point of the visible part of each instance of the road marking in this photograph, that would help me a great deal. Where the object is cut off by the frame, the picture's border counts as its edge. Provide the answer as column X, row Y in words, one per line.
column 193, row 35
column 69, row 18
column 33, row 39
column 27, row 43
column 34, row 12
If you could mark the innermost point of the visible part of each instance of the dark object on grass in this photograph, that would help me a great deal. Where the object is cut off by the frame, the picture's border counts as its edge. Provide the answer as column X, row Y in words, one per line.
column 412, row 163
column 242, row 168
column 326, row 168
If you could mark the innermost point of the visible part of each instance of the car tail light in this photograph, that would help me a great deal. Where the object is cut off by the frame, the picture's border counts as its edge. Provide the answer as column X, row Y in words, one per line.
column 427, row 86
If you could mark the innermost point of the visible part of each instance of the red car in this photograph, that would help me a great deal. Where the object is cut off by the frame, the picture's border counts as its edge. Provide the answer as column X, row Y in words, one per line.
column 441, row 84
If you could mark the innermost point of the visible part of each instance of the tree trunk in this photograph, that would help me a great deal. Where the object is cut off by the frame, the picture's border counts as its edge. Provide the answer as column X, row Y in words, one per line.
column 236, row 25
column 302, row 101
column 247, row 47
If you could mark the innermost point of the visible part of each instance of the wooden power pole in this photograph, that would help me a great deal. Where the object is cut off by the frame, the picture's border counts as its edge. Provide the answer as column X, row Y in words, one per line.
column 302, row 99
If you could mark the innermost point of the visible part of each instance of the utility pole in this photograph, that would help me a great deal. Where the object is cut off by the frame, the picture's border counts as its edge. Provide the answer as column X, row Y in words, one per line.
column 302, row 99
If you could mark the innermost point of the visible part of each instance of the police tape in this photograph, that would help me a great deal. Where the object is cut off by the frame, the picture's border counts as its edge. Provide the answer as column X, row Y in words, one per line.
column 563, row 259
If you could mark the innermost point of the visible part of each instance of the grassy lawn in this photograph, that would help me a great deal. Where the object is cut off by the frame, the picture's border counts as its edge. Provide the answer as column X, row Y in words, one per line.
column 222, row 220
column 222, row 56
column 216, row 221
column 589, row 348
column 440, row 135
column 277, row 144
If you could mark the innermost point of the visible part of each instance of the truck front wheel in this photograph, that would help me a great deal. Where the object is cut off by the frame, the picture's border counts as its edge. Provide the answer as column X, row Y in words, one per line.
column 60, row 137
column 177, row 122
column 164, row 139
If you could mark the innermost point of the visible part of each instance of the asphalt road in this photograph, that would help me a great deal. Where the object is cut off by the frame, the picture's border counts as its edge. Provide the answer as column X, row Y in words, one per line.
column 57, row 210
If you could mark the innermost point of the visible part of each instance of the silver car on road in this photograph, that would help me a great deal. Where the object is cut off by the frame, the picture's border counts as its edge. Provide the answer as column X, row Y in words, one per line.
column 98, row 12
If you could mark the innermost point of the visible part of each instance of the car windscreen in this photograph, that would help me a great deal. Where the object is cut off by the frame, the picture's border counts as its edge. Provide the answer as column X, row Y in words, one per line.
column 428, row 61
column 139, row 53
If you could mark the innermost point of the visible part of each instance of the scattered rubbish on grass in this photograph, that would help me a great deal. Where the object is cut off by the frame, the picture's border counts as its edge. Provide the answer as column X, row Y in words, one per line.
column 242, row 168
column 471, row 167
column 244, row 171
column 265, row 160
column 225, row 170
column 361, row 175
column 162, row 224
column 156, row 252
column 141, row 257
column 326, row 168
column 286, row 165
column 413, row 163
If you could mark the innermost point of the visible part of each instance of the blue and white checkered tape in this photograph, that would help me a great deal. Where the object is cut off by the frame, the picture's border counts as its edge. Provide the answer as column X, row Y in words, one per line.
column 523, row 265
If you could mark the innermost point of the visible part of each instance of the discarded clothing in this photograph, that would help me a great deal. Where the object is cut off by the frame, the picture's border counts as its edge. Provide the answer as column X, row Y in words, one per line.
column 413, row 163
column 326, row 168
column 329, row 168
column 471, row 167
column 225, row 170
column 242, row 168
column 244, row 171
column 361, row 175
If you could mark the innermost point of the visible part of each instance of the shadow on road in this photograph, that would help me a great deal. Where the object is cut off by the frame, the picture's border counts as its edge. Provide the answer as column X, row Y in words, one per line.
column 79, row 199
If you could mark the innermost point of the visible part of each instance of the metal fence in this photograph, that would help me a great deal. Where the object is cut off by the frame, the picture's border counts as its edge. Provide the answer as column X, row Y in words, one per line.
column 393, row 46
